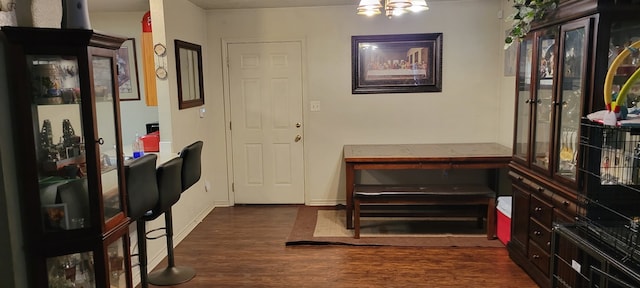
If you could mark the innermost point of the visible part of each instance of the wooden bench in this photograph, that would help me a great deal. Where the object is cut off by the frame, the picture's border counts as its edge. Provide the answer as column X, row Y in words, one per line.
column 441, row 195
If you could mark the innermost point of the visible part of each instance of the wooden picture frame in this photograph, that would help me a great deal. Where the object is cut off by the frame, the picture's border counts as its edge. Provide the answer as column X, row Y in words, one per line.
column 189, row 74
column 127, row 60
column 405, row 63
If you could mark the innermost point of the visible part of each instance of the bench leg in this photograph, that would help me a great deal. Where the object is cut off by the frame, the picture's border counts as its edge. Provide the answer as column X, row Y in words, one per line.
column 356, row 219
column 491, row 219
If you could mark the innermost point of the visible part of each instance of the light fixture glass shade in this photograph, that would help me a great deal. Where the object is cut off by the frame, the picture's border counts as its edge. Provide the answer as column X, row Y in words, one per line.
column 368, row 11
column 391, row 7
column 369, row 7
column 367, row 4
column 398, row 3
column 418, row 5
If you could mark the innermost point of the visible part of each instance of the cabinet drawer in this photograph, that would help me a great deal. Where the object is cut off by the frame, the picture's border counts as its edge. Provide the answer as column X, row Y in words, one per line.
column 541, row 235
column 541, row 211
column 539, row 257
column 562, row 203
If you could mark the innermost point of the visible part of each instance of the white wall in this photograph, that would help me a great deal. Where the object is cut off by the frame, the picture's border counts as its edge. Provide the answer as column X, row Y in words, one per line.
column 464, row 112
column 507, row 83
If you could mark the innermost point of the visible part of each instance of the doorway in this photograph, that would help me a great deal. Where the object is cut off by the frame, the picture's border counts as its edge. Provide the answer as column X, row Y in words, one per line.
column 265, row 99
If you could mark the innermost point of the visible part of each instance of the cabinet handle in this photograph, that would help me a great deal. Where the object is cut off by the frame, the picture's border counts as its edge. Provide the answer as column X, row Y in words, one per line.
column 100, row 141
column 537, row 233
column 537, row 209
column 535, row 256
column 565, row 203
column 540, row 189
column 528, row 101
column 520, row 178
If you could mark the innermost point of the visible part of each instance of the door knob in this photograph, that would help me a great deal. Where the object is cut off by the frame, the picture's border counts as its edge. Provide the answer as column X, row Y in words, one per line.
column 298, row 125
column 298, row 138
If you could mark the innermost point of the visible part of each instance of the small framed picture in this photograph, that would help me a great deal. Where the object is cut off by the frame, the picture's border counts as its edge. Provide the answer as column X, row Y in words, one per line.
column 128, row 85
column 55, row 216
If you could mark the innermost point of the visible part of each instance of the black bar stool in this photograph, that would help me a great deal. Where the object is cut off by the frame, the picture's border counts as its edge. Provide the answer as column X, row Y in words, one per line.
column 142, row 197
column 192, row 165
column 189, row 175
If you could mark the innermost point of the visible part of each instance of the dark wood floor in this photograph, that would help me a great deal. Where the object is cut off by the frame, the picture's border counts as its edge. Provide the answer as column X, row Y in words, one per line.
column 244, row 246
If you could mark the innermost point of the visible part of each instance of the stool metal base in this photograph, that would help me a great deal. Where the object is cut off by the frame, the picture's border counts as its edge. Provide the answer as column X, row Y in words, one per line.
column 172, row 276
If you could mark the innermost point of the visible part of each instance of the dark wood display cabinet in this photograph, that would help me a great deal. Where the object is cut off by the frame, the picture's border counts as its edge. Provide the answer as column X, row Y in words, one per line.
column 67, row 130
column 562, row 64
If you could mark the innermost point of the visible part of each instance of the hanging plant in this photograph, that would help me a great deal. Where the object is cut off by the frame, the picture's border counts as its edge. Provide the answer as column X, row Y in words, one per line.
column 527, row 11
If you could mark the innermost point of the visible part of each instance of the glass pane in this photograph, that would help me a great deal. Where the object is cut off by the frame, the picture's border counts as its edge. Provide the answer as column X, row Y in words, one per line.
column 623, row 35
column 572, row 90
column 72, row 270
column 60, row 147
column 524, row 99
column 116, row 264
column 544, row 97
column 103, row 85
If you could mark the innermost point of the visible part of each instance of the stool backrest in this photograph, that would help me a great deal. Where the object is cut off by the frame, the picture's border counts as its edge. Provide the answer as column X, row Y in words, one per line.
column 169, row 181
column 142, row 190
column 191, row 167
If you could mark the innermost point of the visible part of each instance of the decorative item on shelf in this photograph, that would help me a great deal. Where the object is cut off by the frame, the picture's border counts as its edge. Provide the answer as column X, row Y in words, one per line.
column 527, row 11
column 47, row 148
column 615, row 101
column 65, row 159
column 75, row 14
column 46, row 81
column 391, row 7
column 8, row 13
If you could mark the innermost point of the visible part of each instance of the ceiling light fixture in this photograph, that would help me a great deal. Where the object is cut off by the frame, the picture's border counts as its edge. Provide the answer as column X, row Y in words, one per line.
column 391, row 7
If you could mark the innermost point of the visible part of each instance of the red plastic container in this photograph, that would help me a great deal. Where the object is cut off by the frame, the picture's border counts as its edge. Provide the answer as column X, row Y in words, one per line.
column 504, row 219
column 151, row 142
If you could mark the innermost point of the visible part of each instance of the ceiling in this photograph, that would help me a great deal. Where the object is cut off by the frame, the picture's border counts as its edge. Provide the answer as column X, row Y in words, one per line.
column 143, row 5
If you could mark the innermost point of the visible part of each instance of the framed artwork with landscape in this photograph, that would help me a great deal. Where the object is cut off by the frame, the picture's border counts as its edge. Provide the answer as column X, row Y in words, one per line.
column 405, row 63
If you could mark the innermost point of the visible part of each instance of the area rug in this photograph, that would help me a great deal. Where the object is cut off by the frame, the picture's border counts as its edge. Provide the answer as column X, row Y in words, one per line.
column 326, row 226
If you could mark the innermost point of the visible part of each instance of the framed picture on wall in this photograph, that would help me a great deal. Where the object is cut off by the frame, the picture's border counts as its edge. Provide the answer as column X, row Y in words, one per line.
column 405, row 63
column 128, row 85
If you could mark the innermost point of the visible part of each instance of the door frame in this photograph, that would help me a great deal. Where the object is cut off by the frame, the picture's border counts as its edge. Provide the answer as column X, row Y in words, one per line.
column 227, row 105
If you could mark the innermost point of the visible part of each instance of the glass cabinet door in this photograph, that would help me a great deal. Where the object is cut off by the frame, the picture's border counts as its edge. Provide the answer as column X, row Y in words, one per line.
column 103, row 85
column 60, row 143
column 116, row 253
column 72, row 270
column 571, row 90
column 523, row 101
column 546, row 65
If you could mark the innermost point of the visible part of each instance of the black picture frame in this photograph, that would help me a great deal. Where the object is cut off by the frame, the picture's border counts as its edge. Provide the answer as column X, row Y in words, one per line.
column 189, row 74
column 403, row 63
column 128, row 84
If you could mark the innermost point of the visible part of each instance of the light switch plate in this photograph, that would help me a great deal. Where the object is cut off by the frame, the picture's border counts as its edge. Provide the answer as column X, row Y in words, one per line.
column 315, row 106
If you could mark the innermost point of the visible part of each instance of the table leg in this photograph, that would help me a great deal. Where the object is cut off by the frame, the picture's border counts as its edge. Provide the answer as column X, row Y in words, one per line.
column 350, row 174
column 491, row 219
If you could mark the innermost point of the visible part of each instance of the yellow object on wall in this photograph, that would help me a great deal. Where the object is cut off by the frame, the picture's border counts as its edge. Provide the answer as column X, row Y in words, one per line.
column 148, row 63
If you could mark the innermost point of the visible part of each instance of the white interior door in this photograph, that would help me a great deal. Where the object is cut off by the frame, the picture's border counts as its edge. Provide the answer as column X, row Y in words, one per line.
column 265, row 90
